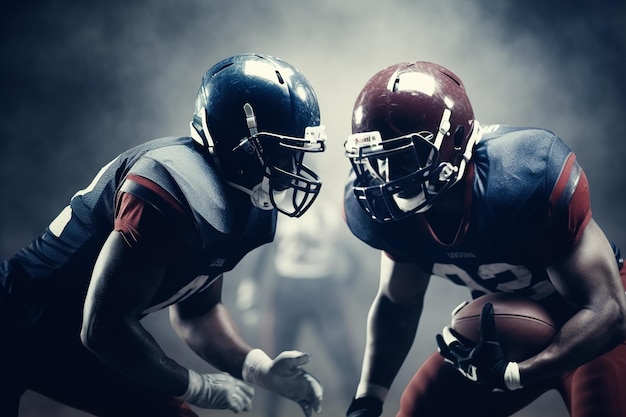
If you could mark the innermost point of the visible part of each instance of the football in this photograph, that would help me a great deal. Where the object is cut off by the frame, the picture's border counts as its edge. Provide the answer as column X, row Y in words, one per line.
column 523, row 326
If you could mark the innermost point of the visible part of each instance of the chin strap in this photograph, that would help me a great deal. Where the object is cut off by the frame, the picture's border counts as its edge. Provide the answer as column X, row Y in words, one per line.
column 260, row 194
column 475, row 137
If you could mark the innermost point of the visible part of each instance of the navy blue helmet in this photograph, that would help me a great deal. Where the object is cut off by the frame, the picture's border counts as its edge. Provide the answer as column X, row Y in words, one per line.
column 258, row 116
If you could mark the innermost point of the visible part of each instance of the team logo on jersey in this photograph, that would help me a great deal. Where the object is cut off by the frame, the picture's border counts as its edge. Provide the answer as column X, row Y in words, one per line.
column 460, row 255
column 218, row 262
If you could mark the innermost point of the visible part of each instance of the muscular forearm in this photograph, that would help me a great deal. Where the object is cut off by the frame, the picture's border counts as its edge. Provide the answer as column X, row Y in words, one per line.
column 588, row 334
column 215, row 337
column 587, row 277
column 122, row 284
column 391, row 331
column 128, row 348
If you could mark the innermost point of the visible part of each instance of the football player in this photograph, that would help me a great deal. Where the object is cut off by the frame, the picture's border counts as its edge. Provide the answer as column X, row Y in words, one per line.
column 157, row 228
column 493, row 208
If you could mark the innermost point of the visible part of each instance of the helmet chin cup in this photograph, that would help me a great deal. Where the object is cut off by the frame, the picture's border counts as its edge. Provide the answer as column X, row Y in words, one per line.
column 409, row 204
column 261, row 198
column 447, row 170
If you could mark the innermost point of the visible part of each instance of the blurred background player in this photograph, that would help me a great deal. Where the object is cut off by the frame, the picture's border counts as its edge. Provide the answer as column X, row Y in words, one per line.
column 298, row 282
column 157, row 227
column 493, row 208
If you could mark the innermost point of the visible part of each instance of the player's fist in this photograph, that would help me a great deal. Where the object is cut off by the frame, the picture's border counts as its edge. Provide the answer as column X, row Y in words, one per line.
column 284, row 375
column 365, row 407
column 218, row 391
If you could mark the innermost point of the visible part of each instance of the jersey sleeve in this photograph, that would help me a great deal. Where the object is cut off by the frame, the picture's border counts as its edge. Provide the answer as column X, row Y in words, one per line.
column 569, row 206
column 151, row 219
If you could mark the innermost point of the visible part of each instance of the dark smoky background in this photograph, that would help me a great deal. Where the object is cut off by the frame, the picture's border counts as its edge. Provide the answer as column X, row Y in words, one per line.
column 82, row 81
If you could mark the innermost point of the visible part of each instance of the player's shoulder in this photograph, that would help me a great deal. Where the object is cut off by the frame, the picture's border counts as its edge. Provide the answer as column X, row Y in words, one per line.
column 141, row 149
column 519, row 152
column 179, row 156
column 176, row 165
column 517, row 169
column 514, row 141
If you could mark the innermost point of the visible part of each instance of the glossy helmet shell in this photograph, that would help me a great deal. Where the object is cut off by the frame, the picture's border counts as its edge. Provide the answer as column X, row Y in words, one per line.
column 416, row 100
column 284, row 105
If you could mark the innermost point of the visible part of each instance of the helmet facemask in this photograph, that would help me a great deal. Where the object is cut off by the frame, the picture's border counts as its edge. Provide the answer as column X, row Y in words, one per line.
column 257, row 116
column 413, row 135
column 404, row 175
column 282, row 181
column 287, row 185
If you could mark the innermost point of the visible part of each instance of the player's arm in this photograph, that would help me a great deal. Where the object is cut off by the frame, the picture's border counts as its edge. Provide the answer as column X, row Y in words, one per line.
column 584, row 270
column 589, row 278
column 391, row 328
column 581, row 265
column 122, row 284
column 127, row 274
column 207, row 326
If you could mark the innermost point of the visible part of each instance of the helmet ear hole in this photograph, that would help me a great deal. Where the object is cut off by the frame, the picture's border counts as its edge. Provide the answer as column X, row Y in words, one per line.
column 459, row 135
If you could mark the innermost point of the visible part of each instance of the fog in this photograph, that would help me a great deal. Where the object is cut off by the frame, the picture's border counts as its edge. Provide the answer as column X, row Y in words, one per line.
column 82, row 82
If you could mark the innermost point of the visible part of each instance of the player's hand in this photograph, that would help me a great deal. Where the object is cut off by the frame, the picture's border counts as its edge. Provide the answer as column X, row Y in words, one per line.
column 218, row 391
column 285, row 376
column 365, row 407
column 483, row 363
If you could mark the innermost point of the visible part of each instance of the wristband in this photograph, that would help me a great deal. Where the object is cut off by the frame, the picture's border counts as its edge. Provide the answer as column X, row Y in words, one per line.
column 365, row 406
column 194, row 387
column 256, row 360
column 512, row 377
column 365, row 389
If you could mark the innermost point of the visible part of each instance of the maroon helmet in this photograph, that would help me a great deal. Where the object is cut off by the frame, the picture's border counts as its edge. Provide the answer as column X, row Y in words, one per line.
column 413, row 131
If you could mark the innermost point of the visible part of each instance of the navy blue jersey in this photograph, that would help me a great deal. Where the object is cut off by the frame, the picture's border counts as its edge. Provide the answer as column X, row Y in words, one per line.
column 185, row 200
column 528, row 206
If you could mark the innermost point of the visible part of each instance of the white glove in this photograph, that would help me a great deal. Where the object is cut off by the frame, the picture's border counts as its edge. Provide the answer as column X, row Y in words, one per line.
column 284, row 376
column 218, row 391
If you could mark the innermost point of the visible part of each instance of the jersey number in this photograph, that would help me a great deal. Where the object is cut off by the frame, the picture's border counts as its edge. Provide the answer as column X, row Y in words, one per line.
column 506, row 277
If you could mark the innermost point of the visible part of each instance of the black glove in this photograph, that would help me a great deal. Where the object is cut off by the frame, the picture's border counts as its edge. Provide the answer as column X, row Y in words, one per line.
column 365, row 407
column 483, row 363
